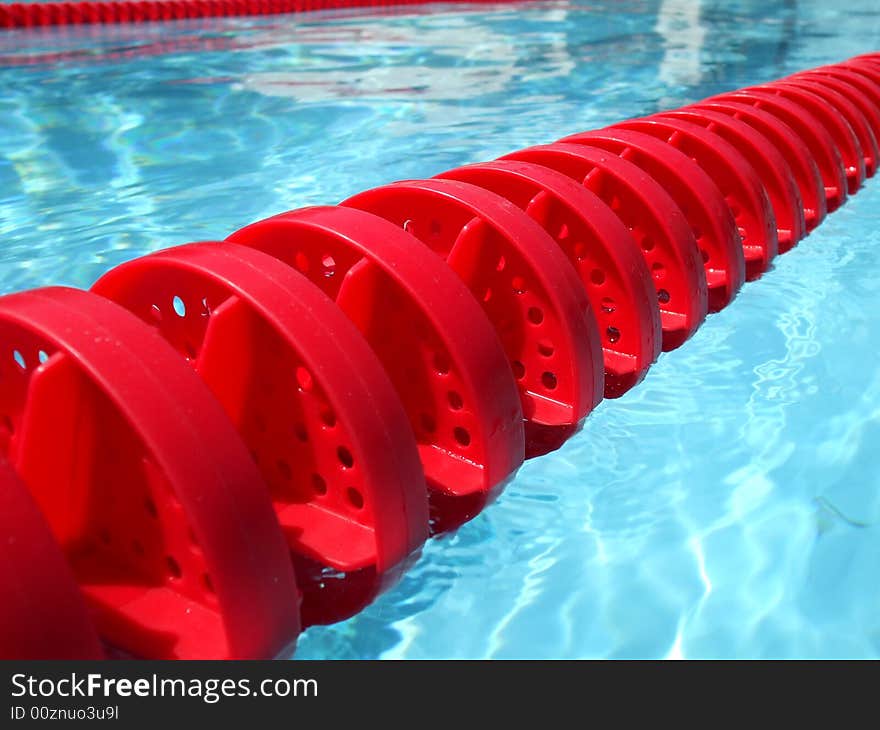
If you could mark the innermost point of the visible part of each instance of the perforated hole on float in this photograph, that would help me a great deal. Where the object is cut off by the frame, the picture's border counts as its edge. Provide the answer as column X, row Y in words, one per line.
column 441, row 363
column 647, row 243
column 535, row 315
column 319, row 485
column 549, row 380
column 328, row 417
column 301, row 433
column 501, row 264
column 355, row 498
column 519, row 285
column 663, row 296
column 345, row 457
column 19, row 360
column 597, row 277
column 42, row 356
column 613, row 334
column 519, row 370
column 328, row 265
column 608, row 305
column 173, row 567
column 462, row 436
column 456, row 403
column 580, row 251
column 179, row 306
column 658, row 270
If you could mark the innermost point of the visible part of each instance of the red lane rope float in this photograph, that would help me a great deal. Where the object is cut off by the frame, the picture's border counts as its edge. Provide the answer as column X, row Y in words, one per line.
column 851, row 112
column 657, row 223
column 311, row 401
column 525, row 285
column 832, row 121
column 28, row 15
column 602, row 250
column 435, row 342
column 790, row 146
column 161, row 513
column 738, row 181
column 700, row 200
column 847, row 88
column 812, row 133
column 42, row 613
column 771, row 167
column 864, row 67
column 864, row 86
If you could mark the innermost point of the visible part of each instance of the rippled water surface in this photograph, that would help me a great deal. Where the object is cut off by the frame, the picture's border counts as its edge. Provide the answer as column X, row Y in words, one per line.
column 727, row 507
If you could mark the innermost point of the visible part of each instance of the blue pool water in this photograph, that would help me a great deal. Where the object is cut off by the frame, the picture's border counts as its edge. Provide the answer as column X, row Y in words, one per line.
column 727, row 507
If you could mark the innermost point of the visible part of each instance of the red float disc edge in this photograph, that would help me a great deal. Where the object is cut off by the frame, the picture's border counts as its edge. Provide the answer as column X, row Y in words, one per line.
column 812, row 133
column 737, row 179
column 806, row 172
column 849, row 85
column 459, row 321
column 657, row 208
column 637, row 301
column 834, row 123
column 851, row 106
column 43, row 615
column 695, row 193
column 238, row 533
column 557, row 278
column 333, row 349
column 768, row 162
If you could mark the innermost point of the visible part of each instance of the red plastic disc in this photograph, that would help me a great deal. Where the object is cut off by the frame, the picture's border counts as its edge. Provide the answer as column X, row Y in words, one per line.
column 42, row 614
column 309, row 398
column 161, row 513
column 737, row 179
column 849, row 109
column 811, row 131
column 768, row 162
column 868, row 88
column 525, row 284
column 864, row 67
column 791, row 147
column 699, row 198
column 832, row 120
column 602, row 250
column 857, row 90
column 659, row 226
column 435, row 343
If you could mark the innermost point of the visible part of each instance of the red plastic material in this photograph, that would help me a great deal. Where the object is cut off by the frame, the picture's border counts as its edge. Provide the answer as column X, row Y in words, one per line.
column 857, row 91
column 162, row 515
column 523, row 281
column 664, row 236
column 817, row 139
column 435, row 343
column 868, row 88
column 602, row 250
column 833, row 121
column 865, row 67
column 737, row 179
column 29, row 15
column 850, row 109
column 762, row 155
column 42, row 612
column 699, row 198
column 790, row 146
column 309, row 398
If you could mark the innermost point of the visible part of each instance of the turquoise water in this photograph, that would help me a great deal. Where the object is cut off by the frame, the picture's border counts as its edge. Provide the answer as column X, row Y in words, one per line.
column 727, row 507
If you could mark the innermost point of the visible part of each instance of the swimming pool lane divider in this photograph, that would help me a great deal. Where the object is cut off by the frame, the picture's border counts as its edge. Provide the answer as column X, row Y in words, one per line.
column 106, row 12
column 224, row 442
